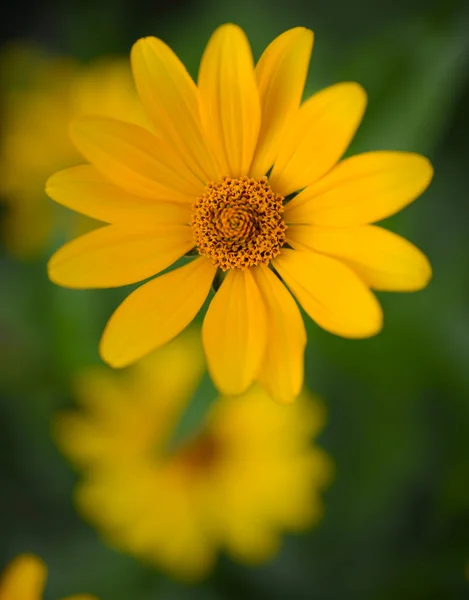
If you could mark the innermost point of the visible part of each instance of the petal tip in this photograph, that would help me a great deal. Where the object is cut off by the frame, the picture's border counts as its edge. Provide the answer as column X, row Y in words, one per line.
column 369, row 327
column 284, row 399
column 229, row 26
column 373, row 327
column 110, row 361
column 359, row 92
column 429, row 272
column 50, row 185
column 63, row 277
column 141, row 42
column 227, row 386
column 231, row 32
column 229, row 390
column 352, row 92
column 307, row 34
column 304, row 38
column 427, row 168
column 56, row 181
column 426, row 274
column 108, row 354
column 374, row 323
column 52, row 271
column 420, row 167
column 299, row 31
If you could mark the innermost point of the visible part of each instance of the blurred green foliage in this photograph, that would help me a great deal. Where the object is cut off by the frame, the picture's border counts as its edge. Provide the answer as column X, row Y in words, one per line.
column 397, row 516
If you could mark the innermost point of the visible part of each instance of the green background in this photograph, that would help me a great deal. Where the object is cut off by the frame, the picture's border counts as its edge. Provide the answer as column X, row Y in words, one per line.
column 397, row 515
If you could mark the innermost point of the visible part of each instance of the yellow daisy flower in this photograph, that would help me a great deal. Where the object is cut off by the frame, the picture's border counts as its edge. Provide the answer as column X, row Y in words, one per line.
column 35, row 141
column 25, row 578
column 249, row 474
column 238, row 169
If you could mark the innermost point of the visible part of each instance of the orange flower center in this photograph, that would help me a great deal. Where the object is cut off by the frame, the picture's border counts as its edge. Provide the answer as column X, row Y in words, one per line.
column 199, row 455
column 238, row 223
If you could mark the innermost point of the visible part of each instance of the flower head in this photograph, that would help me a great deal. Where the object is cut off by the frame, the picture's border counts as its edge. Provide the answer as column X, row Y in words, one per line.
column 35, row 140
column 238, row 169
column 249, row 474
column 25, row 578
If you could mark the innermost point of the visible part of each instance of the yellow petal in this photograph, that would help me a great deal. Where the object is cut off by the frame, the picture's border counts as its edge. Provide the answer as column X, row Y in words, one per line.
column 85, row 190
column 281, row 372
column 112, row 256
column 156, row 312
column 362, row 189
column 317, row 136
column 229, row 99
column 281, row 74
column 170, row 99
column 331, row 293
column 23, row 579
column 384, row 260
column 234, row 333
column 133, row 158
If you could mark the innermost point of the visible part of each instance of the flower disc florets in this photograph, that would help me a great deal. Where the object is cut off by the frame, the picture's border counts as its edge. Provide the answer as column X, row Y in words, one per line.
column 199, row 455
column 238, row 223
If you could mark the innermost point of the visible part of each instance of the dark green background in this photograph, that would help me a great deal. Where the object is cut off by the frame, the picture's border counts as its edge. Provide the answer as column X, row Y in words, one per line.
column 397, row 515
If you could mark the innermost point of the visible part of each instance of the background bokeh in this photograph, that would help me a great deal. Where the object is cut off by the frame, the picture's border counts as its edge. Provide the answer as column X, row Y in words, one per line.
column 397, row 515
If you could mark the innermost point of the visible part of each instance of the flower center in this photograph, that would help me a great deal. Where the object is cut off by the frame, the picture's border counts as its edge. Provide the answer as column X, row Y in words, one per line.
column 238, row 223
column 199, row 455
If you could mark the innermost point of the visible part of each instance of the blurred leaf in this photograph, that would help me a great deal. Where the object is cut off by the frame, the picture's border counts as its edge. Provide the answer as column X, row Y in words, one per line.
column 193, row 418
column 414, row 74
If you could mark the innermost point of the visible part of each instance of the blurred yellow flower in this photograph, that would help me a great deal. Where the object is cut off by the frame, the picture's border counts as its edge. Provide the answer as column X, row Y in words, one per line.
column 199, row 181
column 25, row 578
column 35, row 115
column 249, row 474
